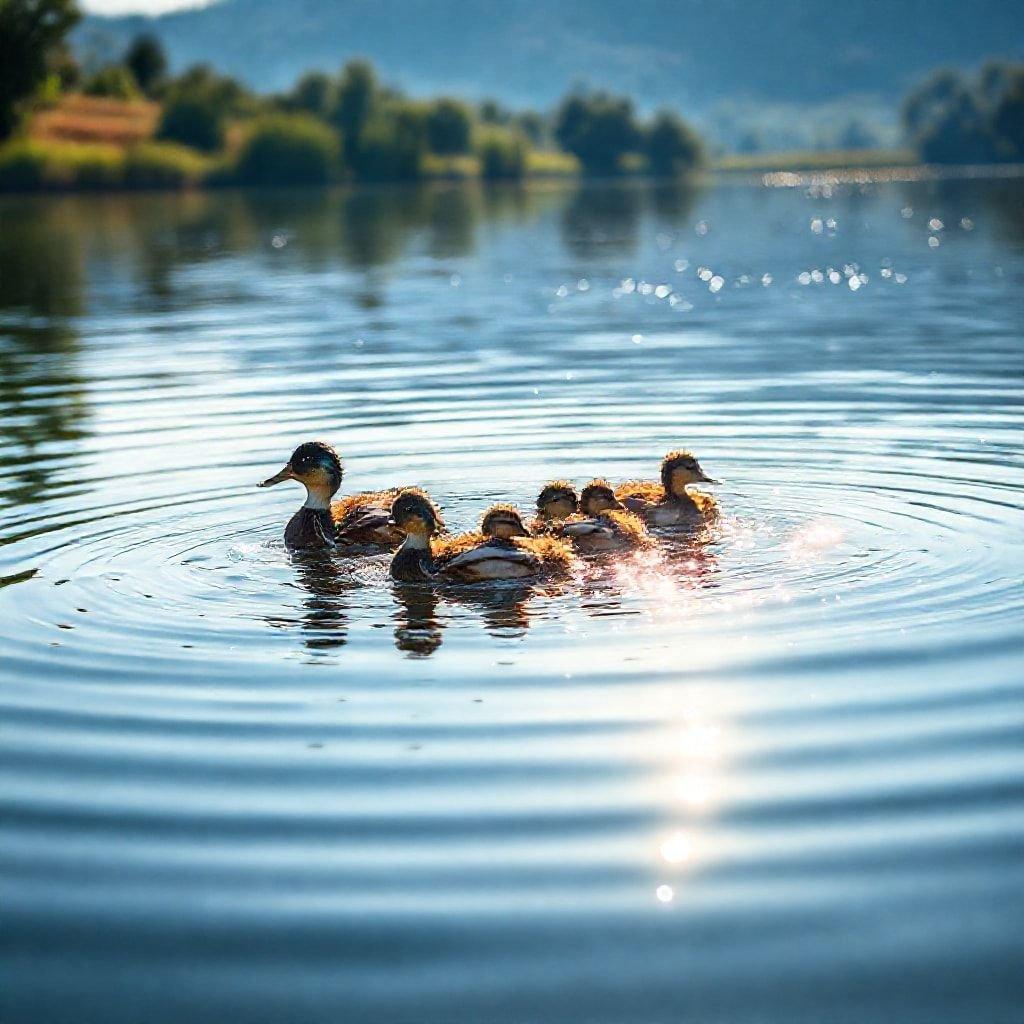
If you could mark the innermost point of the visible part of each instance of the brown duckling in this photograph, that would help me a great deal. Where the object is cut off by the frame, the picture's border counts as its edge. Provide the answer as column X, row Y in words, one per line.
column 670, row 502
column 603, row 524
column 360, row 520
column 501, row 550
column 557, row 501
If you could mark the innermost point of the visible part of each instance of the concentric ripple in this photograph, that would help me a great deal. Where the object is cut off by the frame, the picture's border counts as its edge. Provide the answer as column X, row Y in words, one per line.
column 769, row 771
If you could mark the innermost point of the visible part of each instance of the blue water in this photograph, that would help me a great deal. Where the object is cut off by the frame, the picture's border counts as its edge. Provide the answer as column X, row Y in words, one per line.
column 771, row 773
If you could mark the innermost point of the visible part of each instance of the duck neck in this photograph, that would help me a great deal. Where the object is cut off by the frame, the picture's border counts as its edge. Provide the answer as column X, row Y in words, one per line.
column 318, row 497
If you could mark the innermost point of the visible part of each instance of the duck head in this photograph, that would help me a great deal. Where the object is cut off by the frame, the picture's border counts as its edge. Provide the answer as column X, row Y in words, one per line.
column 317, row 466
column 598, row 497
column 557, row 500
column 679, row 469
column 415, row 515
column 503, row 522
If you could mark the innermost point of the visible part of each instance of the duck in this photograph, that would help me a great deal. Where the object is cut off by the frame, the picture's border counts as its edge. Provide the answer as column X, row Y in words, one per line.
column 603, row 524
column 557, row 501
column 358, row 521
column 502, row 549
column 671, row 502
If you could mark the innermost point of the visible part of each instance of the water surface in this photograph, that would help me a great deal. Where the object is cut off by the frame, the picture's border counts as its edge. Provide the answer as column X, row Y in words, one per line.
column 772, row 773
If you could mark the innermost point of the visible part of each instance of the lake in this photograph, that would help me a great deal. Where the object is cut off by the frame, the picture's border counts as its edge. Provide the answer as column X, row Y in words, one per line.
column 771, row 772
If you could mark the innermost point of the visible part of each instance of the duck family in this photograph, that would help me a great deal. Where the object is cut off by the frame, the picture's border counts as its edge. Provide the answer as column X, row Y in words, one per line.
column 599, row 520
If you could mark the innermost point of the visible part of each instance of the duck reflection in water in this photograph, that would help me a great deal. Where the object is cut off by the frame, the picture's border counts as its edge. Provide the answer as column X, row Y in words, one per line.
column 324, row 616
column 418, row 626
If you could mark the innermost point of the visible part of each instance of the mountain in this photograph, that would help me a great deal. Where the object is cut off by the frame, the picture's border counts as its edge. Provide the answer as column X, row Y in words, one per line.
column 689, row 53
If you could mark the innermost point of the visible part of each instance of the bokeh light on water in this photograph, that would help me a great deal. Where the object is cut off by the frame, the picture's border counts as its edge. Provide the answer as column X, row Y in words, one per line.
column 777, row 764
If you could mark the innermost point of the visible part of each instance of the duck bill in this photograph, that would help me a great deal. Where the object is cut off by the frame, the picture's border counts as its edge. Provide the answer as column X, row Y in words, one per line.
column 286, row 474
column 705, row 479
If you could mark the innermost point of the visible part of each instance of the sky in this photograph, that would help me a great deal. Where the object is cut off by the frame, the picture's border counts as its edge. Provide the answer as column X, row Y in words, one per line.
column 135, row 6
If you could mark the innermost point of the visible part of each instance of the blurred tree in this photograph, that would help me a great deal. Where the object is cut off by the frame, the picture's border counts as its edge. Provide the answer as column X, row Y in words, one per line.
column 392, row 144
column 194, row 119
column 314, row 93
column 492, row 112
column 598, row 128
column 671, row 145
column 502, row 153
column 355, row 100
column 533, row 126
column 146, row 60
column 950, row 120
column 114, row 81
column 31, row 32
column 288, row 150
column 448, row 126
column 1008, row 117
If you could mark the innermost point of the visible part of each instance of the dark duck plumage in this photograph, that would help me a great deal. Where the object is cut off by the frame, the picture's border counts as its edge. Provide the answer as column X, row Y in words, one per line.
column 358, row 521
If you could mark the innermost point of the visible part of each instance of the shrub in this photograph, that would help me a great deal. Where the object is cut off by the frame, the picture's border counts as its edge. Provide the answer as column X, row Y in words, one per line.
column 288, row 150
column 194, row 119
column 598, row 128
column 392, row 145
column 31, row 166
column 448, row 127
column 503, row 153
column 162, row 165
column 671, row 145
column 114, row 81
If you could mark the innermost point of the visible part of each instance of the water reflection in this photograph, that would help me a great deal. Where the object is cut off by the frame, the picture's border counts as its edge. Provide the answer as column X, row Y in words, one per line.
column 418, row 627
column 324, row 618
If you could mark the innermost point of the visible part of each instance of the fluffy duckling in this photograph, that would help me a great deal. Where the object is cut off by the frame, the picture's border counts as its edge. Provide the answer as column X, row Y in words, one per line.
column 557, row 501
column 360, row 520
column 501, row 550
column 603, row 524
column 670, row 502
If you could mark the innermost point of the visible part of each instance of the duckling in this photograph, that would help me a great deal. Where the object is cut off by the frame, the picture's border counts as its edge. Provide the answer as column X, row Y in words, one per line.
column 501, row 550
column 603, row 523
column 557, row 501
column 358, row 520
column 670, row 502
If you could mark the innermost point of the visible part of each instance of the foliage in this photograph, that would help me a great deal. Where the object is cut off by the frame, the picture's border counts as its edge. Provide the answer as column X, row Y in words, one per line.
column 671, row 145
column 195, row 119
column 162, row 165
column 393, row 144
column 313, row 93
column 356, row 98
column 114, row 81
column 950, row 119
column 146, row 60
column 502, row 153
column 598, row 128
column 31, row 165
column 288, row 150
column 31, row 33
column 448, row 127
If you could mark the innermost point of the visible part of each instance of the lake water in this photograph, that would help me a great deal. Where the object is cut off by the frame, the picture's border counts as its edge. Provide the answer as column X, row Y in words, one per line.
column 773, row 773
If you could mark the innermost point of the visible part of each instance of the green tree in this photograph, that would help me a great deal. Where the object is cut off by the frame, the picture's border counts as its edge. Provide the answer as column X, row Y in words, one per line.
column 598, row 128
column 502, row 153
column 146, row 60
column 671, row 145
column 448, row 127
column 392, row 144
column 193, row 119
column 355, row 100
column 289, row 150
column 31, row 32
column 314, row 93
column 114, row 81
column 1008, row 117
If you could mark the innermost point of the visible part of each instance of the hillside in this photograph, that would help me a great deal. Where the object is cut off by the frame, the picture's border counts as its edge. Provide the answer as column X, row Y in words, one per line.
column 691, row 53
